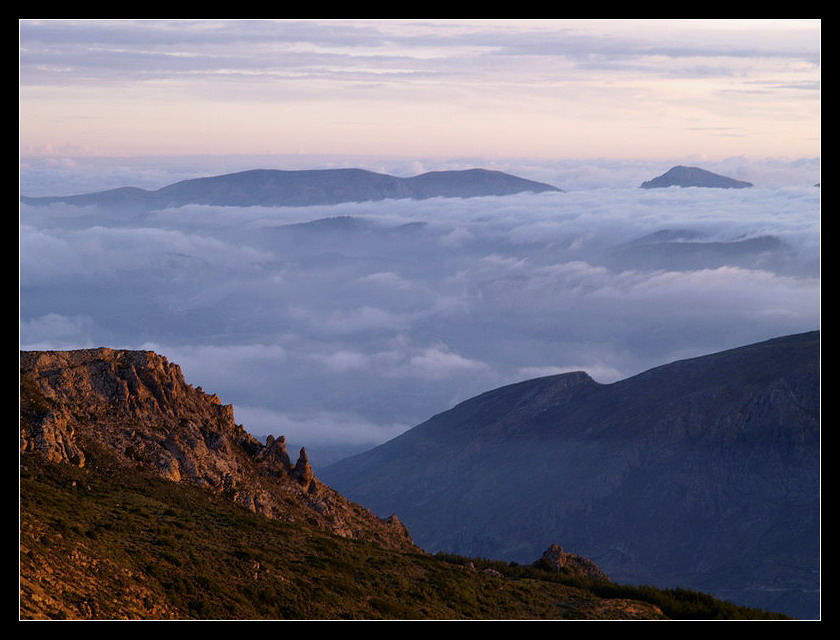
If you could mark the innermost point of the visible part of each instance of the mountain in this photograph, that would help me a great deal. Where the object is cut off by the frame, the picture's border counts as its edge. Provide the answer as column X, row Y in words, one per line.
column 702, row 473
column 685, row 249
column 276, row 188
column 141, row 498
column 98, row 406
column 680, row 176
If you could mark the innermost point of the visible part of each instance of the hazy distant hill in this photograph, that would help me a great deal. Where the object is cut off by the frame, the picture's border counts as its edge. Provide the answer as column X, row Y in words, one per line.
column 701, row 473
column 271, row 187
column 685, row 249
column 680, row 176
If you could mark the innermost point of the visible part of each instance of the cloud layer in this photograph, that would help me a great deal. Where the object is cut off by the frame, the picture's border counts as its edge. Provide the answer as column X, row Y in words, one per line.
column 344, row 325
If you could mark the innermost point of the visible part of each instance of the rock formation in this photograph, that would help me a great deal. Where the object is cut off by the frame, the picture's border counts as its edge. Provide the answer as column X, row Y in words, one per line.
column 106, row 406
column 559, row 561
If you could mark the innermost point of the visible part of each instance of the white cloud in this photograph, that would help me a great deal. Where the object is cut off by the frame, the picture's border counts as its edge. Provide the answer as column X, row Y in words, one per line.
column 55, row 331
column 388, row 280
column 359, row 320
column 380, row 326
column 441, row 362
column 106, row 254
column 403, row 360
column 343, row 361
column 316, row 427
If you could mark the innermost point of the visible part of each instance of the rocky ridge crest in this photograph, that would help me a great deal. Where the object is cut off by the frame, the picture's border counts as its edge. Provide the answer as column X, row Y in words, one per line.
column 101, row 406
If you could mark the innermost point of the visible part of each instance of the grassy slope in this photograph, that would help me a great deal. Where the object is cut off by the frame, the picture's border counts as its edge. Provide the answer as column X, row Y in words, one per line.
column 115, row 544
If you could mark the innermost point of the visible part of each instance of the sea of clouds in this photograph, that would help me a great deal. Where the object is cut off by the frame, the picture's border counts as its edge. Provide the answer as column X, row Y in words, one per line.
column 342, row 326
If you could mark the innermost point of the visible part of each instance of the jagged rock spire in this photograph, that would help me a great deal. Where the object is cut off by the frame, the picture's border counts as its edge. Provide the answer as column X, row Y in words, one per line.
column 276, row 447
column 303, row 470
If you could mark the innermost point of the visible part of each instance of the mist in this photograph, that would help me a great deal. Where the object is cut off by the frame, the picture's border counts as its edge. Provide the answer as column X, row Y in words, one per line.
column 342, row 326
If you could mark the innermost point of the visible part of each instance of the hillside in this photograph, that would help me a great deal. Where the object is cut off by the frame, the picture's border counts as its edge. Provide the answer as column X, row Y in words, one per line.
column 141, row 498
column 117, row 544
column 135, row 408
column 702, row 473
column 277, row 188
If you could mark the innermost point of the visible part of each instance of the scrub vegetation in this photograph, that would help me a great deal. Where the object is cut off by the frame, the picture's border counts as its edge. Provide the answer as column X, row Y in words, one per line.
column 114, row 543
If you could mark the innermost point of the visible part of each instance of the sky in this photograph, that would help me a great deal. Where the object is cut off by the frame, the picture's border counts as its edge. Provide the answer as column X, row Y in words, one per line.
column 343, row 326
column 399, row 87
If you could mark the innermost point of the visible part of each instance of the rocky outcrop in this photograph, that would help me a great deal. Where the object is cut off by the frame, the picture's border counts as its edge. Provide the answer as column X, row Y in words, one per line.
column 558, row 561
column 106, row 406
column 302, row 470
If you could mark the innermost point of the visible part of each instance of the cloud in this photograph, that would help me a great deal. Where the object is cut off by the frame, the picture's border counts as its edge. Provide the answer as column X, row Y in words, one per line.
column 440, row 362
column 55, row 331
column 348, row 334
column 362, row 319
column 318, row 428
column 389, row 280
column 403, row 360
column 474, row 86
column 107, row 254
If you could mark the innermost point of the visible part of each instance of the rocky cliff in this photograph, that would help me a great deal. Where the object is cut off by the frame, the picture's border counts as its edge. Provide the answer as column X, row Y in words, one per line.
column 105, row 406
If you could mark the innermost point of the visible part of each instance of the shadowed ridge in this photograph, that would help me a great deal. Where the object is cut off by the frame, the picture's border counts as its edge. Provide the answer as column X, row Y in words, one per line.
column 701, row 473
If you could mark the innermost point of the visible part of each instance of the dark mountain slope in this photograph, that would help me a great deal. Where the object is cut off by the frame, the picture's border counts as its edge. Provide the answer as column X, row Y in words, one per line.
column 271, row 187
column 680, row 176
column 702, row 473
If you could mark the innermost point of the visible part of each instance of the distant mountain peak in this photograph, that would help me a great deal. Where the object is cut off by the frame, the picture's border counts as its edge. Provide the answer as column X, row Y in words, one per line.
column 300, row 188
column 681, row 176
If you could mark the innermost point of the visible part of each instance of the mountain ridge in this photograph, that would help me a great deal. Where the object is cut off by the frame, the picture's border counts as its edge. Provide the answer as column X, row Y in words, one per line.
column 141, row 498
column 708, row 455
column 276, row 187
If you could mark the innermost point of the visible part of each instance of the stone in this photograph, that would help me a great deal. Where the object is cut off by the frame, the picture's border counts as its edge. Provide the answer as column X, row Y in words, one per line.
column 137, row 409
column 557, row 560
